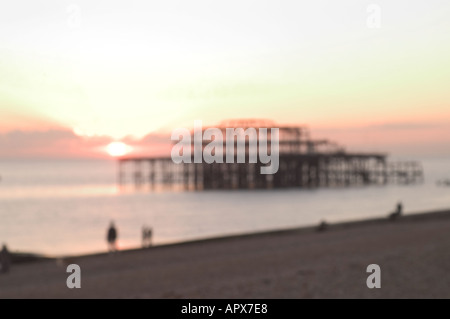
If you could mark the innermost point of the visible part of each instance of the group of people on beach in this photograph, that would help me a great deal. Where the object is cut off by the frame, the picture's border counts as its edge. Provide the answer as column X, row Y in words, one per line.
column 112, row 235
column 147, row 232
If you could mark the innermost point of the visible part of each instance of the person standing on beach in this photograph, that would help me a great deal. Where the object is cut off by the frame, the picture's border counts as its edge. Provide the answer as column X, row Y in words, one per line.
column 398, row 212
column 399, row 208
column 5, row 259
column 146, row 236
column 112, row 237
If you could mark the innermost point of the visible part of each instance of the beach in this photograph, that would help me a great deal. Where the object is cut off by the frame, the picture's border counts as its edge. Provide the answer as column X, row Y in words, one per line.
column 413, row 253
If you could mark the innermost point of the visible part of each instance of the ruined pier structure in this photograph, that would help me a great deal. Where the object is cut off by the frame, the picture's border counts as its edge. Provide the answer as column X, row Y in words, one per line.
column 303, row 163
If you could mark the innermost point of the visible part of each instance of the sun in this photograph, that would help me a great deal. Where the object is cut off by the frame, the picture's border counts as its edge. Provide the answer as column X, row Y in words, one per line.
column 116, row 149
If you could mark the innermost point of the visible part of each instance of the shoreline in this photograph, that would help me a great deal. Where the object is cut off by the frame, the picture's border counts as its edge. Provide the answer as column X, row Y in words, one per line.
column 413, row 217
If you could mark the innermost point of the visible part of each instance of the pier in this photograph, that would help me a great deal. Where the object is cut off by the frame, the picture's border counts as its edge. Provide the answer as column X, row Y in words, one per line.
column 303, row 163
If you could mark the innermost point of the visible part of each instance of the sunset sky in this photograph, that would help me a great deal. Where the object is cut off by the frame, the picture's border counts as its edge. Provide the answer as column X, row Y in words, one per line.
column 76, row 75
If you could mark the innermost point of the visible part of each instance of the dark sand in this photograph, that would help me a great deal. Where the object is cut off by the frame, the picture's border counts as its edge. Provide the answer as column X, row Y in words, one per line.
column 413, row 253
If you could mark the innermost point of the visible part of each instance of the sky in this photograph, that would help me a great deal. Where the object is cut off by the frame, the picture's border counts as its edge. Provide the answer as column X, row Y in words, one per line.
column 76, row 75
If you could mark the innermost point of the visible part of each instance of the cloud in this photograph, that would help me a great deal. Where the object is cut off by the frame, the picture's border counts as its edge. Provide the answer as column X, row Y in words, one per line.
column 405, row 126
column 154, row 144
column 60, row 143
column 393, row 138
column 64, row 143
column 401, row 138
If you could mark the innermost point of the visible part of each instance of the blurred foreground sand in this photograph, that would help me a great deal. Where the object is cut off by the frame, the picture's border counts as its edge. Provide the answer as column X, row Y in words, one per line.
column 413, row 253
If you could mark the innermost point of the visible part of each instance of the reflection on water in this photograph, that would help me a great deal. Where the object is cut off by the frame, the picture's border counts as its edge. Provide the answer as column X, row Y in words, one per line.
column 59, row 191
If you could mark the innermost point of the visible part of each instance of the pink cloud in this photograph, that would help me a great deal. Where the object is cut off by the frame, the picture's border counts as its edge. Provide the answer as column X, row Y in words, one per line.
column 63, row 143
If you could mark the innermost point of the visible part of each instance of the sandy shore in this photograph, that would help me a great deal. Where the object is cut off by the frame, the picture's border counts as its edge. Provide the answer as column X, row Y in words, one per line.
column 413, row 253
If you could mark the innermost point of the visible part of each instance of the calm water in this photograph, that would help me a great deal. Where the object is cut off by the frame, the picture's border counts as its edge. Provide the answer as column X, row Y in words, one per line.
column 64, row 207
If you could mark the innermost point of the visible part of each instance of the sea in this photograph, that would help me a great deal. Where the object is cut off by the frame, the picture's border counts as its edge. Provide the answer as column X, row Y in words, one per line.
column 64, row 207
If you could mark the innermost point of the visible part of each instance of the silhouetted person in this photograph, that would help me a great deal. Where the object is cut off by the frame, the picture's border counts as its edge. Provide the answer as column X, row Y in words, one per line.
column 399, row 208
column 112, row 237
column 322, row 226
column 5, row 259
column 398, row 212
column 147, row 234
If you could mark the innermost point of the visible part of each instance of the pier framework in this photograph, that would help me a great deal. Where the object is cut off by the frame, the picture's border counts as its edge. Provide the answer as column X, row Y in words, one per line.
column 303, row 163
